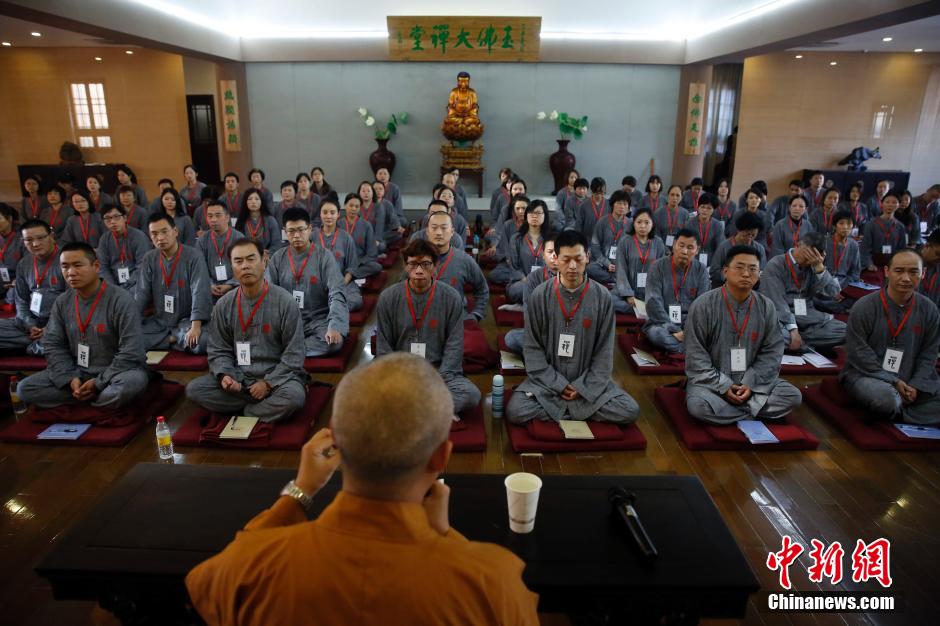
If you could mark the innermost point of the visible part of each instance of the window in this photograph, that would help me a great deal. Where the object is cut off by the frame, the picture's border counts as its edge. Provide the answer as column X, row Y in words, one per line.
column 90, row 114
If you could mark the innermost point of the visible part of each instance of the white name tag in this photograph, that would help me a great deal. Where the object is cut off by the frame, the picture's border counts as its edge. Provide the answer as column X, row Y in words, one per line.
column 299, row 298
column 419, row 348
column 35, row 303
column 283, row 235
column 566, row 345
column 641, row 280
column 233, row 221
column 885, row 249
column 534, row 267
column 124, row 275
column 923, row 228
column 221, row 273
column 892, row 362
column 243, row 352
column 703, row 258
column 4, row 274
column 738, row 359
column 612, row 253
column 854, row 232
column 84, row 354
column 169, row 303
column 799, row 306
column 675, row 313
column 669, row 240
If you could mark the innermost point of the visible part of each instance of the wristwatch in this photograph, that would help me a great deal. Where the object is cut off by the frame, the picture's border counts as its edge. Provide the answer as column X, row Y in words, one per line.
column 291, row 489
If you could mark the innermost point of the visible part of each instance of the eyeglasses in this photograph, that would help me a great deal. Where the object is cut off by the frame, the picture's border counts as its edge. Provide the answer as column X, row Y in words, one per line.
column 112, row 218
column 297, row 231
column 31, row 240
column 537, row 213
column 741, row 269
column 425, row 265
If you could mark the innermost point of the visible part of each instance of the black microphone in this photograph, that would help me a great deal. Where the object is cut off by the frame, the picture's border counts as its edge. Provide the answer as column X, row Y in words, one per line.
column 622, row 502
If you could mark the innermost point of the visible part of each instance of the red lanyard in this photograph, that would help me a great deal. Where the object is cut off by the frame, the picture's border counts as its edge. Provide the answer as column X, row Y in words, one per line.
column 6, row 244
column 55, row 215
column 97, row 202
column 254, row 232
column 169, row 279
column 419, row 321
column 932, row 283
column 34, row 205
column 670, row 223
column 887, row 231
column 367, row 212
column 891, row 329
column 349, row 229
column 122, row 246
column 232, row 204
column 796, row 235
column 443, row 267
column 723, row 211
column 332, row 243
column 835, row 253
column 734, row 322
column 639, row 252
column 695, row 197
column 569, row 316
column 241, row 317
column 536, row 254
column 618, row 232
column 676, row 288
column 220, row 252
column 41, row 277
column 793, row 273
column 827, row 216
column 130, row 213
column 597, row 214
column 708, row 229
column 653, row 206
column 297, row 275
column 85, row 227
column 83, row 325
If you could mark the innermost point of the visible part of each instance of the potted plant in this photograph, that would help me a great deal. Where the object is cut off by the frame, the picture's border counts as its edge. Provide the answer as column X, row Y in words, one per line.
column 562, row 161
column 382, row 157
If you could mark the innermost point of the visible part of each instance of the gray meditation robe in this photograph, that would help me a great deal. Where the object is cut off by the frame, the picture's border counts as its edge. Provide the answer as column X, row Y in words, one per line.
column 762, row 232
column 843, row 261
column 192, row 196
column 823, row 221
column 192, row 299
column 690, row 200
column 455, row 242
column 669, row 222
column 880, row 233
column 589, row 370
column 710, row 236
column 32, row 208
column 661, row 294
column 710, row 335
column 210, row 246
column 312, row 204
column 441, row 332
column 344, row 252
column 366, row 250
column 102, row 201
column 565, row 204
column 724, row 212
column 316, row 274
column 588, row 213
column 264, row 230
column 868, row 339
column 115, row 252
column 861, row 212
column 393, row 195
column 631, row 262
column 515, row 338
column 607, row 235
column 653, row 203
column 930, row 285
column 500, row 194
column 717, row 261
column 786, row 234
column 502, row 273
column 818, row 329
column 458, row 269
column 815, row 197
column 232, row 201
column 779, row 208
column 522, row 260
column 87, row 230
column 13, row 331
column 57, row 220
column 384, row 223
column 137, row 217
column 279, row 208
column 11, row 251
column 140, row 196
column 460, row 206
column 187, row 229
column 276, row 337
column 116, row 361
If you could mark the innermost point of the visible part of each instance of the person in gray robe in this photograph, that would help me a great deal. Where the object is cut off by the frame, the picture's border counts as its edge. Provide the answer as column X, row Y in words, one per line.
column 930, row 285
column 256, row 222
column 456, row 241
column 503, row 272
column 787, row 232
column 231, row 197
column 455, row 267
column 215, row 245
column 157, row 203
column 778, row 208
column 752, row 204
column 569, row 347
column 711, row 231
column 794, row 280
column 34, row 202
column 445, row 195
column 311, row 275
column 636, row 254
column 11, row 251
column 57, row 211
column 823, row 218
column 330, row 237
column 136, row 214
column 628, row 185
column 515, row 338
column 816, row 191
column 173, row 206
column 85, row 223
column 674, row 283
column 884, row 235
column 842, row 261
column 607, row 235
column 592, row 210
column 394, row 227
column 380, row 214
column 38, row 283
column 120, row 249
column 671, row 218
column 174, row 282
column 307, row 198
column 449, row 180
column 392, row 192
column 525, row 249
column 746, row 230
column 256, row 346
column 565, row 200
column 692, row 196
column 505, row 174
column 288, row 201
column 364, row 237
column 892, row 344
column 92, row 342
column 425, row 316
column 734, row 348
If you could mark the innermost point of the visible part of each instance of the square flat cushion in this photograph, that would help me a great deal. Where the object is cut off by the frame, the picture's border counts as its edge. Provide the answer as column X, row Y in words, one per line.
column 337, row 361
column 487, row 262
column 22, row 363
column 496, row 288
column 834, row 404
column 177, row 361
column 668, row 364
column 469, row 434
column 483, row 356
column 389, row 260
column 505, row 318
column 809, row 370
column 289, row 434
column 501, row 345
column 630, row 321
column 546, row 436
column 358, row 318
column 697, row 435
column 159, row 397
column 375, row 282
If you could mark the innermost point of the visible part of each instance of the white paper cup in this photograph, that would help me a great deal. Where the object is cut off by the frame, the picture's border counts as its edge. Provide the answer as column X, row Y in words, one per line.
column 522, row 494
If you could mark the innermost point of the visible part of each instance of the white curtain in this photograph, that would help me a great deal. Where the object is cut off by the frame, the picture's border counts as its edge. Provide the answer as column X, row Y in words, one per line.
column 724, row 101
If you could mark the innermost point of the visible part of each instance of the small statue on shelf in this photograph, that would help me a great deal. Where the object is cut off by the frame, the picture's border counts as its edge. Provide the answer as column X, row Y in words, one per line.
column 462, row 122
column 858, row 156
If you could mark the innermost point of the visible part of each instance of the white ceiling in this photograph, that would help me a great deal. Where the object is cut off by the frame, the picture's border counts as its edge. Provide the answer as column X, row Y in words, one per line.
column 17, row 32
column 905, row 37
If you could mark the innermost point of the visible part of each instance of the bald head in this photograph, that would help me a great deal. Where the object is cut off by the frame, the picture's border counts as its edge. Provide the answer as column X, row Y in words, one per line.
column 389, row 417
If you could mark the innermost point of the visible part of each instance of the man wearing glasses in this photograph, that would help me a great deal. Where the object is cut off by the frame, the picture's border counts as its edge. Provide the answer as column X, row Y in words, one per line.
column 424, row 316
column 733, row 349
column 38, row 283
column 121, row 248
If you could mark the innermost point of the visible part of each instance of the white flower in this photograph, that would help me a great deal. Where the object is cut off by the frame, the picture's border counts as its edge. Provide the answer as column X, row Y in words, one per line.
column 540, row 115
column 370, row 121
column 362, row 111
column 584, row 130
column 553, row 116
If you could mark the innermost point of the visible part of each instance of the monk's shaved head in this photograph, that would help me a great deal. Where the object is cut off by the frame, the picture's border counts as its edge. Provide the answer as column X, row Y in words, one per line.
column 389, row 416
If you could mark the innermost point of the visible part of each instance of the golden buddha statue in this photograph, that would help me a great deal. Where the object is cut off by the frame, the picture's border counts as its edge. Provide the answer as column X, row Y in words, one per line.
column 462, row 122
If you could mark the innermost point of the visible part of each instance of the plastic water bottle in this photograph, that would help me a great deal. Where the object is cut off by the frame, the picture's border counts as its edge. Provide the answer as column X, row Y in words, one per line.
column 164, row 440
column 498, row 396
column 19, row 407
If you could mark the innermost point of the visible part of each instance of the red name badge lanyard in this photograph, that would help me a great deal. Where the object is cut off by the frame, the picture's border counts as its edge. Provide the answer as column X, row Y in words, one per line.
column 618, row 232
column 168, row 279
column 894, row 332
column 332, row 241
column 597, row 214
column 677, row 288
column 536, row 253
column 796, row 234
column 739, row 331
column 255, row 232
column 654, row 206
column 887, row 232
column 241, row 317
column 419, row 321
column 835, row 253
column 796, row 279
column 121, row 246
column 367, row 213
column 83, row 325
column 297, row 275
column 86, row 227
column 41, row 277
column 220, row 252
column 671, row 222
column 34, row 206
column 3, row 251
column 564, row 313
column 443, row 267
column 708, row 229
column 639, row 251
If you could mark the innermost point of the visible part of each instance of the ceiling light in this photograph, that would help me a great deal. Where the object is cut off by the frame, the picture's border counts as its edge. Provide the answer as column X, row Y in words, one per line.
column 128, row 52
column 832, row 63
column 799, row 56
column 35, row 34
column 915, row 49
column 887, row 39
column 7, row 44
column 97, row 58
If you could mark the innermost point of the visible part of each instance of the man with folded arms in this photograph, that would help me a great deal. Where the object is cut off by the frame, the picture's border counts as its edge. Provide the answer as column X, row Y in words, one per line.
column 388, row 522
column 891, row 344
column 733, row 349
column 92, row 342
column 569, row 347
column 255, row 346
column 312, row 276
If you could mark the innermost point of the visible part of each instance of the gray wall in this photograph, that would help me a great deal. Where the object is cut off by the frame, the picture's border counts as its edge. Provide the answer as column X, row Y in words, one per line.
column 304, row 114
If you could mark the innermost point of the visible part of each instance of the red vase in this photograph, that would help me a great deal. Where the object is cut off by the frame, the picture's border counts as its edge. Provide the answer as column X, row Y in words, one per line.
column 561, row 163
column 382, row 157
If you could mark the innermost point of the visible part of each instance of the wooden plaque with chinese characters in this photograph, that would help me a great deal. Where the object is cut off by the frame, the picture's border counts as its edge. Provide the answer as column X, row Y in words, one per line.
column 695, row 119
column 231, row 131
column 446, row 38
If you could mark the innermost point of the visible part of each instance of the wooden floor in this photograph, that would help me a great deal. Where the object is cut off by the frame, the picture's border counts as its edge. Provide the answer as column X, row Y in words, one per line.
column 835, row 493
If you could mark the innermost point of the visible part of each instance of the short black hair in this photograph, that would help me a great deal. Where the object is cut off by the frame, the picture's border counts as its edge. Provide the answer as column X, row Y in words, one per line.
column 419, row 248
column 256, row 170
column 933, row 239
column 619, row 196
column 289, row 183
column 894, row 194
column 571, row 239
column 217, row 202
column 697, row 182
column 81, row 246
column 628, row 180
column 232, row 175
column 843, row 214
column 439, row 203
column 113, row 207
column 748, row 221
column 168, row 181
column 245, row 242
column 688, row 232
column 814, row 240
column 36, row 223
column 598, row 184
column 708, row 198
column 738, row 250
column 156, row 216
column 582, row 182
column 296, row 214
column 210, row 192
